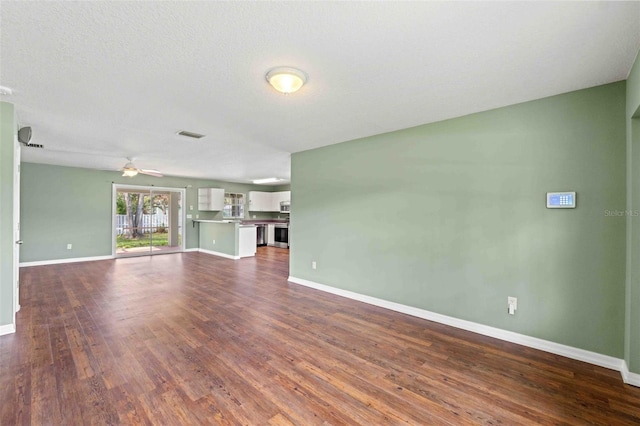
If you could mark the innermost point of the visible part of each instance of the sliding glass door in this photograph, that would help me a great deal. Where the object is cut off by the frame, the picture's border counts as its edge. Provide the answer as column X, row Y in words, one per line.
column 147, row 220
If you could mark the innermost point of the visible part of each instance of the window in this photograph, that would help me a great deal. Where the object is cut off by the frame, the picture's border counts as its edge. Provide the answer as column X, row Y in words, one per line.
column 233, row 206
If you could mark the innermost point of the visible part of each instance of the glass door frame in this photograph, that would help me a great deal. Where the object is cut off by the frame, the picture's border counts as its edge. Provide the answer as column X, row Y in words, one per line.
column 150, row 190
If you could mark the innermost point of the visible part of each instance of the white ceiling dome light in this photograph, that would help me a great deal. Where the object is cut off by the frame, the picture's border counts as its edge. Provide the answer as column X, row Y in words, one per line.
column 286, row 79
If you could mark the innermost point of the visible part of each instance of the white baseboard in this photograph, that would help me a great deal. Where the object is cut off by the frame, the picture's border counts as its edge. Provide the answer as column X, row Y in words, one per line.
column 70, row 260
column 78, row 259
column 509, row 336
column 191, row 250
column 629, row 377
column 7, row 329
column 216, row 253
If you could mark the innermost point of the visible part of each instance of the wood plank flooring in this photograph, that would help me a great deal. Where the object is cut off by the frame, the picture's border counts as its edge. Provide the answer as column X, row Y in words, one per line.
column 196, row 339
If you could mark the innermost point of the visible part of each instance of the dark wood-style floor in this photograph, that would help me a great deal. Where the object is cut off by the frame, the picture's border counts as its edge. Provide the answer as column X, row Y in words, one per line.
column 195, row 339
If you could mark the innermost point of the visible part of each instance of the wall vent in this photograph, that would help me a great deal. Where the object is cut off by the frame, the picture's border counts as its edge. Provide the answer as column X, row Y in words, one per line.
column 190, row 134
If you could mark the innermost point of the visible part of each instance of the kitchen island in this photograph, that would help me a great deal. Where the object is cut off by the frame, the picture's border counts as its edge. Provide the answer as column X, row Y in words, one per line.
column 225, row 238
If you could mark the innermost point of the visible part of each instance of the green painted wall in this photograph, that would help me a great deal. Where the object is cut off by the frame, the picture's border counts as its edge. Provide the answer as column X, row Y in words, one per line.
column 61, row 205
column 632, row 335
column 279, row 188
column 7, row 138
column 225, row 235
column 450, row 217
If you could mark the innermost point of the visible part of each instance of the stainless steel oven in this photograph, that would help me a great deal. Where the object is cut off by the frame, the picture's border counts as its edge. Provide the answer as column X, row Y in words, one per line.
column 281, row 235
column 261, row 235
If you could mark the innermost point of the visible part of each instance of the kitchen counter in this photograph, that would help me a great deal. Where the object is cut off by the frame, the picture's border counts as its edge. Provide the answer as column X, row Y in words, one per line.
column 231, row 222
column 264, row 221
column 221, row 221
column 230, row 239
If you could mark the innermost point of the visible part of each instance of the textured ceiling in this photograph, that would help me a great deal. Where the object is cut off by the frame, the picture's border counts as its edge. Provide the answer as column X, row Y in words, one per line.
column 107, row 80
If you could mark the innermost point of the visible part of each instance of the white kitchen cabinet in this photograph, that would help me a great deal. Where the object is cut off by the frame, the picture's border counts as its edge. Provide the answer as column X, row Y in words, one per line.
column 279, row 197
column 274, row 203
column 247, row 241
column 267, row 201
column 210, row 199
column 259, row 201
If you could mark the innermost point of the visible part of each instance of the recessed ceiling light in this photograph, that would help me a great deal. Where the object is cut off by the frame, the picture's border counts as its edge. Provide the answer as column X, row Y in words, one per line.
column 286, row 79
column 5, row 91
column 190, row 134
column 266, row 180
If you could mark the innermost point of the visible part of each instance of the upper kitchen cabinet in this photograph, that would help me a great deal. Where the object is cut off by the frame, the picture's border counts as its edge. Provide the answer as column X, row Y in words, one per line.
column 279, row 197
column 259, row 201
column 210, row 199
column 267, row 201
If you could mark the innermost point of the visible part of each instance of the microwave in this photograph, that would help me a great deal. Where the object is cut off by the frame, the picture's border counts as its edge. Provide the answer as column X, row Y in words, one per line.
column 285, row 207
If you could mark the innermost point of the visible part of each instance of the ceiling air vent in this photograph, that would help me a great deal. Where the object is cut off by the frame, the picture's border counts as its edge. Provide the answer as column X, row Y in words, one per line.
column 190, row 134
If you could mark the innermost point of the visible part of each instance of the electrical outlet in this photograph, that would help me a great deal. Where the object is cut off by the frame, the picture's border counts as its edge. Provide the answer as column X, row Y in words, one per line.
column 190, row 207
column 313, row 264
column 69, row 246
column 512, row 305
column 214, row 241
column 197, row 216
column 254, row 216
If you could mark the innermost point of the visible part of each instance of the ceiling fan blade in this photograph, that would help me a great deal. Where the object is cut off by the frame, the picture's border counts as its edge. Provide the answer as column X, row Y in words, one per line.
column 150, row 172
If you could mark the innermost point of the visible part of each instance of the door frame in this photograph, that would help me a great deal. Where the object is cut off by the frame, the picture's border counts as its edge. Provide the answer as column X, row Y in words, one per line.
column 16, row 225
column 114, row 194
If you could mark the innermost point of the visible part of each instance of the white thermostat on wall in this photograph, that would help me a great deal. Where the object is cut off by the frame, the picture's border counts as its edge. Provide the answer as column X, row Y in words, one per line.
column 561, row 200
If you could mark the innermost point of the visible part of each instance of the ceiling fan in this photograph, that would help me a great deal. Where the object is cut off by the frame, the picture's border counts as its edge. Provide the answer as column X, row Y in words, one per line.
column 130, row 170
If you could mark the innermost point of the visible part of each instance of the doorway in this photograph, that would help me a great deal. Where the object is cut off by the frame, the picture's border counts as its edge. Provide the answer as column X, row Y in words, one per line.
column 147, row 220
column 16, row 224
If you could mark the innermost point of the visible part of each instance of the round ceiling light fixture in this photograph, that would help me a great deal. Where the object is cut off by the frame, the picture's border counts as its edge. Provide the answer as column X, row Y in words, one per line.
column 286, row 79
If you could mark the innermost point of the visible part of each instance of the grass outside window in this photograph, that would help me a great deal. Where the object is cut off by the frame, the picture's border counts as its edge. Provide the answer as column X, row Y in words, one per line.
column 158, row 239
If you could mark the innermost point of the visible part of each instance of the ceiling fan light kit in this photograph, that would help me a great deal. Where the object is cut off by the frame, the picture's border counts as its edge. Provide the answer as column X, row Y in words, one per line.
column 130, row 170
column 286, row 79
